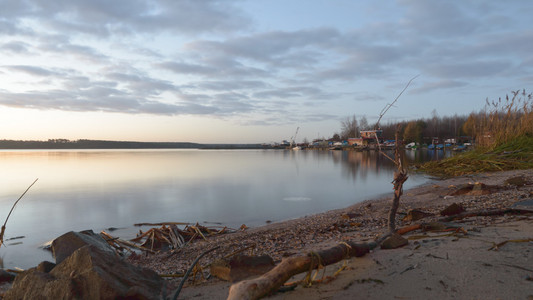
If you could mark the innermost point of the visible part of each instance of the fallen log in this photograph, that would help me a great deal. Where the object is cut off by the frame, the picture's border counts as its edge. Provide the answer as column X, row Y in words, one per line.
column 275, row 278
column 483, row 213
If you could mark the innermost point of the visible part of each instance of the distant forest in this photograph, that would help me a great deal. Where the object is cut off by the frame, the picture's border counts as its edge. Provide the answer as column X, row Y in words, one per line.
column 97, row 144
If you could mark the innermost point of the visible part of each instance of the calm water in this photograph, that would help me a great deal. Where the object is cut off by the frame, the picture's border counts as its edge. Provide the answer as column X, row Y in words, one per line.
column 80, row 190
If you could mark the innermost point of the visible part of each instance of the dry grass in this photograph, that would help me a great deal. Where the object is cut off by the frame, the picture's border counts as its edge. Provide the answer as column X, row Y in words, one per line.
column 505, row 120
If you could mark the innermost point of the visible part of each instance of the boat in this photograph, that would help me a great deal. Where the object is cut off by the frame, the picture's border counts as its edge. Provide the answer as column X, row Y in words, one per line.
column 459, row 148
column 411, row 146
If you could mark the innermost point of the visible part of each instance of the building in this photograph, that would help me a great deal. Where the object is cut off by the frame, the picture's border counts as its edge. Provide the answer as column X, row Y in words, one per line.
column 368, row 137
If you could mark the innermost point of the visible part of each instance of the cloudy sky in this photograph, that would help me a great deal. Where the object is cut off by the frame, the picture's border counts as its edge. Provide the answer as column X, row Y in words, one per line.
column 242, row 71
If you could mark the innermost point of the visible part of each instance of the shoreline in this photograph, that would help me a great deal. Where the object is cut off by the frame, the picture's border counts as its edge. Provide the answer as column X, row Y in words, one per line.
column 361, row 222
column 438, row 265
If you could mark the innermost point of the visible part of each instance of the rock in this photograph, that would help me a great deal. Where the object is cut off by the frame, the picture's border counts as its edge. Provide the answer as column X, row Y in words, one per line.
column 241, row 267
column 348, row 216
column 516, row 181
column 394, row 241
column 476, row 189
column 6, row 276
column 462, row 190
column 65, row 245
column 524, row 205
column 453, row 209
column 89, row 273
column 415, row 215
column 45, row 266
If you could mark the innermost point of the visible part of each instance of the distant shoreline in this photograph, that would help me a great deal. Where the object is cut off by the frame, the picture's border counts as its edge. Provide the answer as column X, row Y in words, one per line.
column 101, row 144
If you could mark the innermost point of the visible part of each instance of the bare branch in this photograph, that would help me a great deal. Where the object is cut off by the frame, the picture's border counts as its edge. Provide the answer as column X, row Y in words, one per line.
column 388, row 106
column 12, row 208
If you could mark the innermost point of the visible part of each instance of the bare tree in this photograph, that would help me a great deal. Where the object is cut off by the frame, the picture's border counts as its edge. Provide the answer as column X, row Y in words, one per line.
column 349, row 127
column 363, row 123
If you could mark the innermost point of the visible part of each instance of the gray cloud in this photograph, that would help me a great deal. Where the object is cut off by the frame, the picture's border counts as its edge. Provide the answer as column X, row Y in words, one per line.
column 271, row 47
column 127, row 17
column 15, row 47
column 439, row 19
column 215, row 67
column 32, row 70
column 225, row 85
column 290, row 92
column 443, row 84
column 99, row 99
column 476, row 69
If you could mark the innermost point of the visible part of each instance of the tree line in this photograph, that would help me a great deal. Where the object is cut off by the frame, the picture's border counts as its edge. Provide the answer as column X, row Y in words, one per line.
column 500, row 120
column 419, row 130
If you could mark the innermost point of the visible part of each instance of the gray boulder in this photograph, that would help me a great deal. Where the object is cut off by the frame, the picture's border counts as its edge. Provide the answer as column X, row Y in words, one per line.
column 89, row 273
column 65, row 245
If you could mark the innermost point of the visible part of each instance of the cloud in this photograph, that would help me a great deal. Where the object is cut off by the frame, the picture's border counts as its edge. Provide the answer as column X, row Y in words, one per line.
column 126, row 17
column 15, row 47
column 99, row 99
column 437, row 85
column 439, row 19
column 270, row 47
column 226, row 85
column 32, row 70
column 289, row 92
column 214, row 67
column 476, row 69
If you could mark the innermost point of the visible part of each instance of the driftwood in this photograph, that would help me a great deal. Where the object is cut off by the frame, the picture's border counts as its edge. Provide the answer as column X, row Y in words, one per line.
column 484, row 213
column 271, row 281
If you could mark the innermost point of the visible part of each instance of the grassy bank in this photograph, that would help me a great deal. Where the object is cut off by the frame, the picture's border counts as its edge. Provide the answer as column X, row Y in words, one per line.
column 503, row 131
column 513, row 155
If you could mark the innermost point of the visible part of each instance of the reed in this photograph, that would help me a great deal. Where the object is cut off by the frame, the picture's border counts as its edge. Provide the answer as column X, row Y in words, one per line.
column 505, row 120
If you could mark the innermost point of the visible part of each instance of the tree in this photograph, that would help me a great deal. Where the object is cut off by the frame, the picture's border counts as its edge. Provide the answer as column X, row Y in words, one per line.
column 413, row 131
column 363, row 124
column 469, row 127
column 349, row 127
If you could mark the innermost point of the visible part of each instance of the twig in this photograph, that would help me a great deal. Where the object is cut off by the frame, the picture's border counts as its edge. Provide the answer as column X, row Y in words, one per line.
column 388, row 106
column 189, row 271
column 12, row 208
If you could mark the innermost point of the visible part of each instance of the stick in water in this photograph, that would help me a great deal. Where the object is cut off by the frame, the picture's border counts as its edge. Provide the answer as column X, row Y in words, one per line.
column 12, row 208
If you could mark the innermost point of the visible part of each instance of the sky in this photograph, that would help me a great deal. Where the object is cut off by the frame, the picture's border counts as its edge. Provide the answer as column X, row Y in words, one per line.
column 250, row 71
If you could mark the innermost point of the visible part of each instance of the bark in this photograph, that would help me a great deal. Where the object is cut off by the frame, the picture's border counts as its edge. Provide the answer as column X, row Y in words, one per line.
column 275, row 278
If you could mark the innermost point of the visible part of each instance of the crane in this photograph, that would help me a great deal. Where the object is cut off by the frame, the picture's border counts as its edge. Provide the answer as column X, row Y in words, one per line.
column 293, row 138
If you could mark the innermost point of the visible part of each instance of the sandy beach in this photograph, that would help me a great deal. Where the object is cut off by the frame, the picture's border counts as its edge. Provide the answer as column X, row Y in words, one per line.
column 439, row 265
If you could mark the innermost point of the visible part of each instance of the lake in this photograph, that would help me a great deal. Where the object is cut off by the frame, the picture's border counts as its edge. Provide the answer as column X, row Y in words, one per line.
column 99, row 189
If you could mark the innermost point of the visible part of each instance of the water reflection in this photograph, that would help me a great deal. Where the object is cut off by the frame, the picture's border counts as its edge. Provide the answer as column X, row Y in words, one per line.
column 80, row 190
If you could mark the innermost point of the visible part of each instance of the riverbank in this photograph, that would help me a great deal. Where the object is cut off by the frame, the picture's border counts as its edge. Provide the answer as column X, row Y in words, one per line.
column 437, row 265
